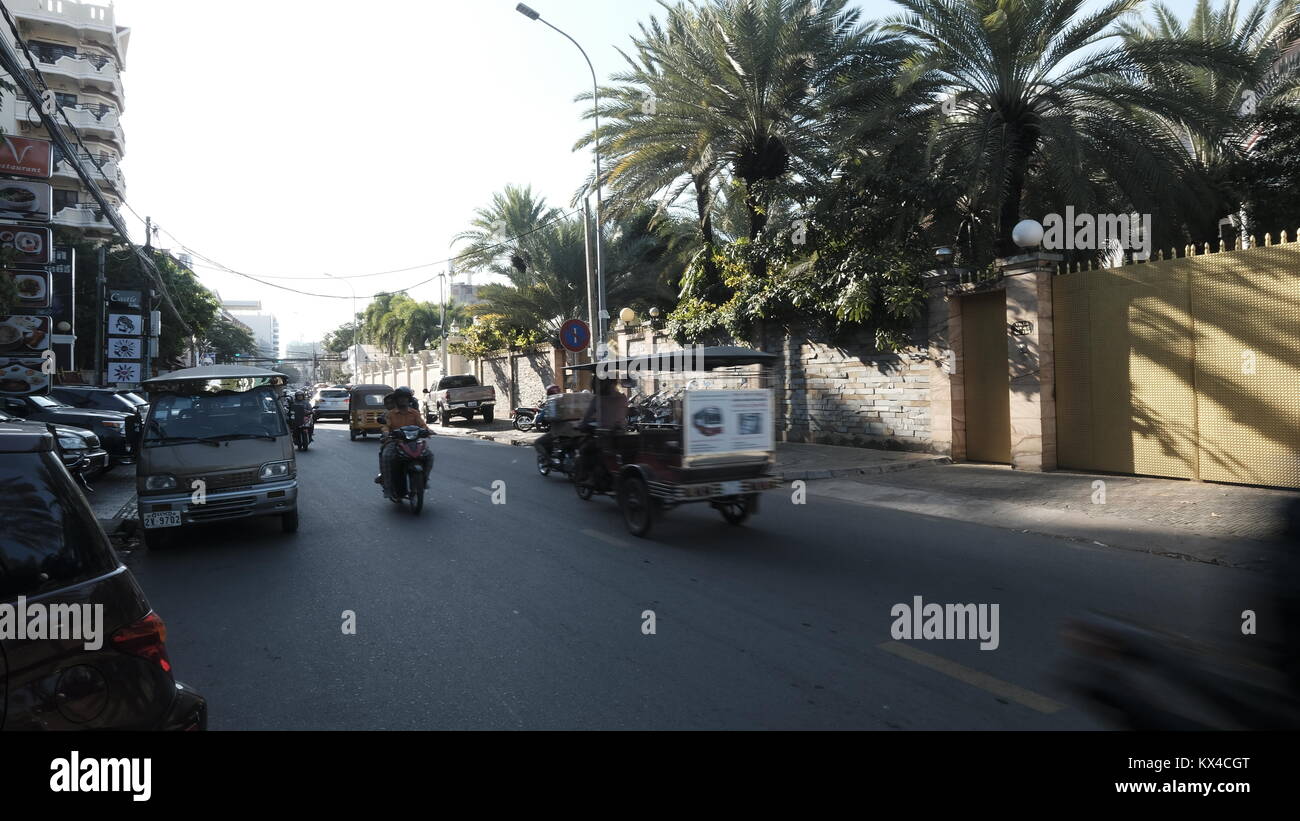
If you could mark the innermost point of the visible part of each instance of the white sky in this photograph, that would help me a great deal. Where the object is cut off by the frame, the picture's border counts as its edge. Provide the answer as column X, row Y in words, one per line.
column 301, row 138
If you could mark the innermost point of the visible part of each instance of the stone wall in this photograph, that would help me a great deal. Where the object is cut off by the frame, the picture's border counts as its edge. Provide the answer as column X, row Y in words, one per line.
column 841, row 393
column 520, row 378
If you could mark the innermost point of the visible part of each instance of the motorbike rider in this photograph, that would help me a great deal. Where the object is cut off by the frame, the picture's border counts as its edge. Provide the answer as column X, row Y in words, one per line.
column 302, row 414
column 402, row 412
column 543, row 443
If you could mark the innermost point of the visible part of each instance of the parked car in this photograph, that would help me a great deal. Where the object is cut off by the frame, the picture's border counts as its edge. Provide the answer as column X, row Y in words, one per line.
column 80, row 449
column 119, row 431
column 331, row 403
column 79, row 396
column 459, row 396
column 53, row 552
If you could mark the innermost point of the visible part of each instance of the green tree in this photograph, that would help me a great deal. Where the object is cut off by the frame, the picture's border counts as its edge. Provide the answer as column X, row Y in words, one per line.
column 1034, row 107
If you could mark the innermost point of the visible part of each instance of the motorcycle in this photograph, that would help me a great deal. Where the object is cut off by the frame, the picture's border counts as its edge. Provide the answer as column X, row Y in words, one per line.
column 410, row 470
column 561, row 457
column 305, row 432
column 525, row 420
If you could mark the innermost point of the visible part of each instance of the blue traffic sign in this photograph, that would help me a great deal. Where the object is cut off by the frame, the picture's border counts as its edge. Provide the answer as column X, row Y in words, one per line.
column 575, row 335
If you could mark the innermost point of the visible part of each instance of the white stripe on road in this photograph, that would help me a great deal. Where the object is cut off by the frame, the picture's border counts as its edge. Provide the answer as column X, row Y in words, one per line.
column 985, row 682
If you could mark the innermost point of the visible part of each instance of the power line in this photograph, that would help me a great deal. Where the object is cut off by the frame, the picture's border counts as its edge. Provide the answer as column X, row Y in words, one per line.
column 226, row 269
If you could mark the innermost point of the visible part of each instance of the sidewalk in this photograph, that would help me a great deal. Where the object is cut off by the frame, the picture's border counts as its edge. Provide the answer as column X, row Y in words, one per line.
column 1219, row 524
column 1228, row 525
column 792, row 461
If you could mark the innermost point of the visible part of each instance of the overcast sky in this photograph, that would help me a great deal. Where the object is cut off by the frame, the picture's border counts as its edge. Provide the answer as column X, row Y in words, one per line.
column 303, row 138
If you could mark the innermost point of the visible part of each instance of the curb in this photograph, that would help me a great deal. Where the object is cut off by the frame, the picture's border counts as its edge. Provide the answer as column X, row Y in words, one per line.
column 869, row 470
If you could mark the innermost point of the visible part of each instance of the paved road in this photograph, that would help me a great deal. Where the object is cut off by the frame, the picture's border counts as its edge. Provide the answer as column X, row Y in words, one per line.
column 529, row 614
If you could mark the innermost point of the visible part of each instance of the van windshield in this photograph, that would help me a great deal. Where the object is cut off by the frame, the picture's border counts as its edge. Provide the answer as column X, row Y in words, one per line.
column 214, row 417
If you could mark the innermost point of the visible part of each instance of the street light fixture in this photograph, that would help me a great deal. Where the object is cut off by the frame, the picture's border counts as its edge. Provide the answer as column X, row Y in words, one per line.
column 602, row 314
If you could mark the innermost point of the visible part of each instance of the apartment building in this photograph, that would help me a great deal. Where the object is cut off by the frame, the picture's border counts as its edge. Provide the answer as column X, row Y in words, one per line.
column 265, row 327
column 81, row 51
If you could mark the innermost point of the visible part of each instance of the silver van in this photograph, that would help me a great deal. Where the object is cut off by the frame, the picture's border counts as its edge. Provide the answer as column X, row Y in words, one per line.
column 216, row 447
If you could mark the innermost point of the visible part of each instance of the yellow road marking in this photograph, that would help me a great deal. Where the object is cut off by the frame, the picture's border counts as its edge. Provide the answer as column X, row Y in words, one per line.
column 985, row 682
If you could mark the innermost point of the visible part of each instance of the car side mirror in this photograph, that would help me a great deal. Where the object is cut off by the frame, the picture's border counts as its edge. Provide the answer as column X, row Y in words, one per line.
column 16, row 406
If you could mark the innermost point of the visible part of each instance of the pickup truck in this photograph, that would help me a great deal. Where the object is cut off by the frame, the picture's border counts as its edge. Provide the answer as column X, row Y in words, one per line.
column 459, row 396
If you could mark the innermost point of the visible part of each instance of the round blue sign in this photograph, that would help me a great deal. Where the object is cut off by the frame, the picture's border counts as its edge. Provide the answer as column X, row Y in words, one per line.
column 575, row 335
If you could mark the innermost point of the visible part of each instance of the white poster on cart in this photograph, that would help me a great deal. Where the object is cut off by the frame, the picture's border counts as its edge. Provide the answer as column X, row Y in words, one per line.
column 726, row 422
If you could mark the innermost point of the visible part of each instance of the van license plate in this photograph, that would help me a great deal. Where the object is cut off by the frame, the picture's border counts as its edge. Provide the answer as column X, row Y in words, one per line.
column 165, row 519
column 731, row 488
column 471, row 404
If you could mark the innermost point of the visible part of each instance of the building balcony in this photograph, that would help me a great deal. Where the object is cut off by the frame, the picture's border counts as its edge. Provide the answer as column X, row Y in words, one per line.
column 90, row 70
column 82, row 18
column 89, row 118
column 84, row 216
column 111, row 175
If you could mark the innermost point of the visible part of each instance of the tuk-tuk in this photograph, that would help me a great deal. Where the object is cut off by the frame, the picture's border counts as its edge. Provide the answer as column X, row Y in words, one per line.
column 215, row 447
column 365, row 405
column 707, row 433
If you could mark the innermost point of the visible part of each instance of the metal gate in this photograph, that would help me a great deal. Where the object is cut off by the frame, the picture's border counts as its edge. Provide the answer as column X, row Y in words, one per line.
column 1186, row 367
column 987, row 382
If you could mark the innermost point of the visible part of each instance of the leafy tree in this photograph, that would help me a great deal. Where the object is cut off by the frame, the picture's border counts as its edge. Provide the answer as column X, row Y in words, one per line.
column 1031, row 109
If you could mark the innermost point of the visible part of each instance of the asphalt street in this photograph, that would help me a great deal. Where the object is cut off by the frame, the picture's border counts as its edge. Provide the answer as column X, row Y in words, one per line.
column 529, row 614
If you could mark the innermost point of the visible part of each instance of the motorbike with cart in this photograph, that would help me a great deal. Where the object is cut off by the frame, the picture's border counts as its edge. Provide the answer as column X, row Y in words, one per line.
column 714, row 444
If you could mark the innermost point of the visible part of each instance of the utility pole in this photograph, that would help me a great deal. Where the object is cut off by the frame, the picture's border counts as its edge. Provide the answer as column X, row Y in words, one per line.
column 442, row 322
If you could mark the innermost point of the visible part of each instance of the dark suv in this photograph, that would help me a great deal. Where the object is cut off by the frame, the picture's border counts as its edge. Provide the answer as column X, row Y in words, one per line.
column 55, row 558
column 118, row 431
column 82, row 396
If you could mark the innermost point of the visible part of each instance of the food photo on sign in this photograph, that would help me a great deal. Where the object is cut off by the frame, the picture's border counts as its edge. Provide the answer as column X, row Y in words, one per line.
column 24, row 244
column 22, row 377
column 23, row 335
column 33, row 288
column 23, row 200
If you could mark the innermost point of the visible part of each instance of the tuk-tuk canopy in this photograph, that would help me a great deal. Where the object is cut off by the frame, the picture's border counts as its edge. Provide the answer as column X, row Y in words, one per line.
column 364, row 389
column 698, row 358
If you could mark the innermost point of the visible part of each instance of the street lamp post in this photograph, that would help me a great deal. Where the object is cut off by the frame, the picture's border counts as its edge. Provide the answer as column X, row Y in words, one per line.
column 602, row 314
column 356, row 329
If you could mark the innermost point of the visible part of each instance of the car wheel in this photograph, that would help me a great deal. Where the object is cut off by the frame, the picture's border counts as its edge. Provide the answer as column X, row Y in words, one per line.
column 444, row 418
column 289, row 521
column 488, row 415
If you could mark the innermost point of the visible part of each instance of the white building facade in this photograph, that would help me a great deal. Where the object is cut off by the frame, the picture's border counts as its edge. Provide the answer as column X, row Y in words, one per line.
column 81, row 52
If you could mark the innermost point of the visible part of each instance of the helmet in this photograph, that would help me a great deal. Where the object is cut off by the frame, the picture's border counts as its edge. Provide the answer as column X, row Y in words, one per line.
column 551, row 390
column 300, row 395
column 404, row 391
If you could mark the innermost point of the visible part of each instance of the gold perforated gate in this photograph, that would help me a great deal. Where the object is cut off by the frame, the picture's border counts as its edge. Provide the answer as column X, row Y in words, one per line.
column 1187, row 367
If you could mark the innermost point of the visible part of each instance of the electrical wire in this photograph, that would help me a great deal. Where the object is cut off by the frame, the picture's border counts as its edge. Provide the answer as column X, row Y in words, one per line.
column 212, row 263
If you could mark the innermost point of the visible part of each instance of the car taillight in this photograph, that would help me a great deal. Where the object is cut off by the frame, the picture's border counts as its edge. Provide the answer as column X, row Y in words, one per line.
column 146, row 638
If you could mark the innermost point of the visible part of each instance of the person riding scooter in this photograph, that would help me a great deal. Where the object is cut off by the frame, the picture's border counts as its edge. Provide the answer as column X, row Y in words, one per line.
column 402, row 412
column 302, row 414
column 543, row 443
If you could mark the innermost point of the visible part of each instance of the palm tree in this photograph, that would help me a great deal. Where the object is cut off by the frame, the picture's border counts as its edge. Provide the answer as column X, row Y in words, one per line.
column 735, row 85
column 1041, row 97
column 1260, row 35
